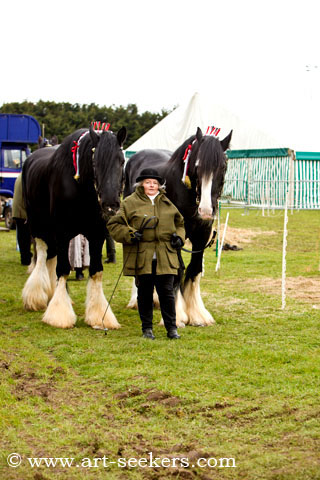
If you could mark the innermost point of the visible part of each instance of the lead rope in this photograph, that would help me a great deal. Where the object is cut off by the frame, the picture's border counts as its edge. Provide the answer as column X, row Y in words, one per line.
column 209, row 244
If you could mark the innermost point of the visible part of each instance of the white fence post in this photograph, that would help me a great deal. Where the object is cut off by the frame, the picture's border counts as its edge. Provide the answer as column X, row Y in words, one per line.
column 284, row 251
column 218, row 228
column 222, row 241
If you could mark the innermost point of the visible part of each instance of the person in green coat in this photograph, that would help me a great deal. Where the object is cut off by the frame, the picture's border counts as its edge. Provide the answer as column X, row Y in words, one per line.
column 151, row 230
column 20, row 215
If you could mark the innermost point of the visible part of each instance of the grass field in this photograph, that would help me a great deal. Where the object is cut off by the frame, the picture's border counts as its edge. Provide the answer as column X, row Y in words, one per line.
column 246, row 388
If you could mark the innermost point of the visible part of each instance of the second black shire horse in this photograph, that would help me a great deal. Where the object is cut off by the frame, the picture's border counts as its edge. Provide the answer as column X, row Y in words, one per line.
column 196, row 198
column 69, row 190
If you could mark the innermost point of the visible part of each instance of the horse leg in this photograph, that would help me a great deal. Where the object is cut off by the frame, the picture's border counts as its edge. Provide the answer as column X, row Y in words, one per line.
column 98, row 311
column 34, row 257
column 181, row 310
column 197, row 313
column 156, row 302
column 60, row 312
column 133, row 302
column 51, row 267
column 37, row 289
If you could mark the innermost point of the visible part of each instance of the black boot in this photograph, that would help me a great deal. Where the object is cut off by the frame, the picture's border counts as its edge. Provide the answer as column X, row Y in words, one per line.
column 148, row 333
column 173, row 334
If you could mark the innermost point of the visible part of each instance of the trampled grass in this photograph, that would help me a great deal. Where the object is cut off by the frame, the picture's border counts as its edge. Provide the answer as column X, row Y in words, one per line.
column 246, row 388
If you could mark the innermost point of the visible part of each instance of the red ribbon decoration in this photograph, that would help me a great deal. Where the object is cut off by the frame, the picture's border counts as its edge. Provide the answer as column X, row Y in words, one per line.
column 99, row 126
column 74, row 154
column 189, row 147
column 212, row 130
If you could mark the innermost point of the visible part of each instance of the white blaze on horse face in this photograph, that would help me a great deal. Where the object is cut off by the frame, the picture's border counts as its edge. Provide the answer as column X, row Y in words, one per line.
column 205, row 206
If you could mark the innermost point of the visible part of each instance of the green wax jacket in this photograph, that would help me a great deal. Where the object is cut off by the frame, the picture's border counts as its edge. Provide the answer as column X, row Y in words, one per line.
column 134, row 212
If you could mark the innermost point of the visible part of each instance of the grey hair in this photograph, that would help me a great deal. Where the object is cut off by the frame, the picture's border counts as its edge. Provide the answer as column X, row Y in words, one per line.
column 138, row 184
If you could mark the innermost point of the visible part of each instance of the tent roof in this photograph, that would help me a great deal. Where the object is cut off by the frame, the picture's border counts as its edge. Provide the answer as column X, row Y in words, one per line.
column 180, row 124
column 200, row 111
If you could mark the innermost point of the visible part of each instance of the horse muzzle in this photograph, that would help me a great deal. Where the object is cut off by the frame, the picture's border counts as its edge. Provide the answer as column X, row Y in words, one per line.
column 205, row 213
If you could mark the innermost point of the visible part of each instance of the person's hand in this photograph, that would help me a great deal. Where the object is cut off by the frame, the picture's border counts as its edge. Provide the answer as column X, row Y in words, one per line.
column 176, row 241
column 136, row 237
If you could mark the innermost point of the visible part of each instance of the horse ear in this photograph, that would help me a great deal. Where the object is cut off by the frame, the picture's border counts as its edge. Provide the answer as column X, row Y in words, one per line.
column 121, row 135
column 226, row 141
column 94, row 136
column 199, row 134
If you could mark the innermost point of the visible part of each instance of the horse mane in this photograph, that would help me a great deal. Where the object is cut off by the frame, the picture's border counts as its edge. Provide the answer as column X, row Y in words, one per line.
column 212, row 157
column 178, row 154
column 107, row 144
column 64, row 152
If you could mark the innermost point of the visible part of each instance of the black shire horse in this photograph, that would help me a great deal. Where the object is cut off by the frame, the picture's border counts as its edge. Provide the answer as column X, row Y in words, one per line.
column 194, row 176
column 69, row 190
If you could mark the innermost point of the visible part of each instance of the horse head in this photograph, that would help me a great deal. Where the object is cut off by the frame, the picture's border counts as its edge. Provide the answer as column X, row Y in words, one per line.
column 207, row 168
column 108, row 165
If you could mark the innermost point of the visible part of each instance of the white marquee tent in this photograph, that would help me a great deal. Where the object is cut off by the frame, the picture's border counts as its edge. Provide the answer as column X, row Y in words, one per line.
column 262, row 168
column 180, row 124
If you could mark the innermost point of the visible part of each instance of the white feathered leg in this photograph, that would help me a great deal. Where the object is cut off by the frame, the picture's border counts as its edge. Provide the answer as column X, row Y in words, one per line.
column 197, row 313
column 96, row 306
column 32, row 266
column 51, row 266
column 133, row 302
column 156, row 302
column 181, row 315
column 60, row 312
column 36, row 291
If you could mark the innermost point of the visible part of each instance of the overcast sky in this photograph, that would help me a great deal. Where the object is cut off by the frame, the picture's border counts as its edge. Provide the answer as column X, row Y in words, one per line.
column 251, row 55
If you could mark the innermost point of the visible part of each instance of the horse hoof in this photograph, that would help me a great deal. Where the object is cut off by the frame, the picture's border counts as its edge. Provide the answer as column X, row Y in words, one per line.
column 196, row 323
column 60, row 322
column 109, row 323
column 180, row 324
column 132, row 305
column 98, row 327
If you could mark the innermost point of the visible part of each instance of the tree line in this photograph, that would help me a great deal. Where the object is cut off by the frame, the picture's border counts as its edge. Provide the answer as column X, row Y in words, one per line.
column 61, row 119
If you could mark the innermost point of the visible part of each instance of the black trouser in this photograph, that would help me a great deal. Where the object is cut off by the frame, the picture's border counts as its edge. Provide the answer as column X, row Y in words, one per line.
column 24, row 241
column 164, row 287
